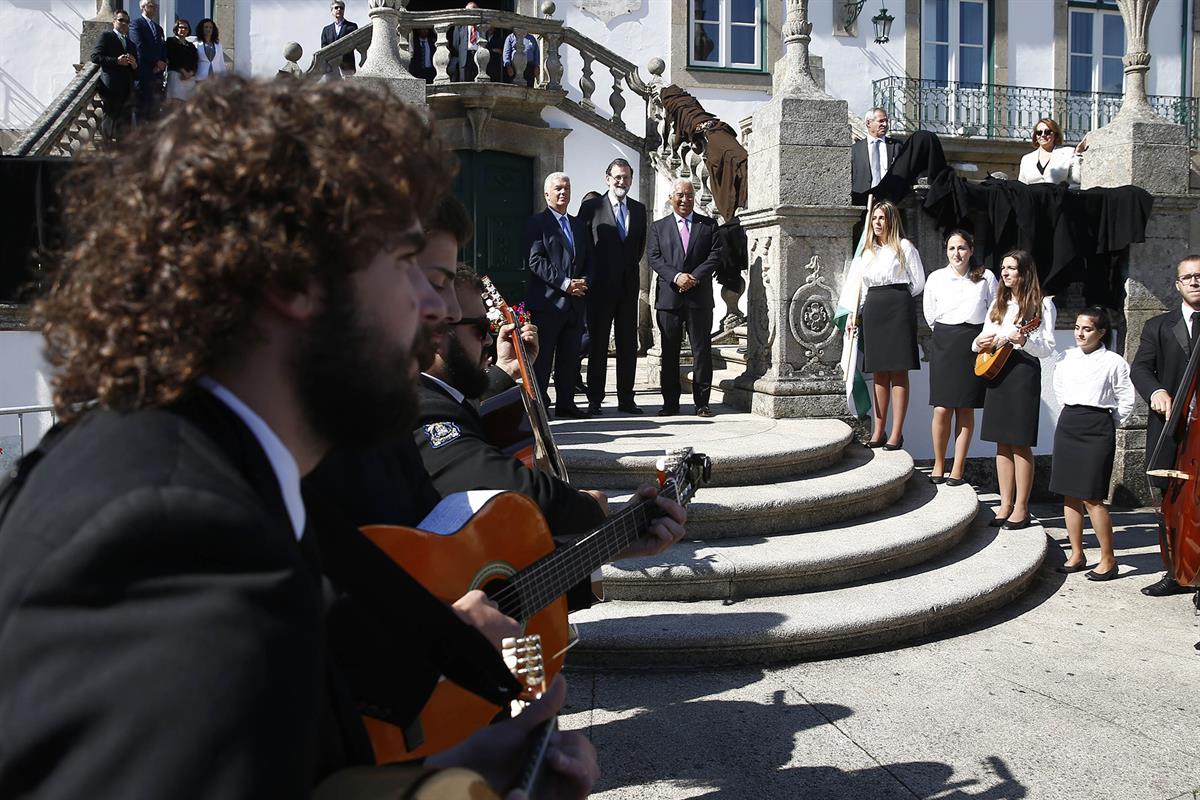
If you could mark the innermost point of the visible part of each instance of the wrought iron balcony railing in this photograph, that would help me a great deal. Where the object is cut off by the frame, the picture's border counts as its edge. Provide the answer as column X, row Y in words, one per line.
column 995, row 111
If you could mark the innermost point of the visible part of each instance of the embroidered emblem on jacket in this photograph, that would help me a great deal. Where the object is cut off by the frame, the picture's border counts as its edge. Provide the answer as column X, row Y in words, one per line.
column 442, row 433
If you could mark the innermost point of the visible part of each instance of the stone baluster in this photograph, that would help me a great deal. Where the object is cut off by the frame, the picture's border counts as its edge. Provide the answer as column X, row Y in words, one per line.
column 483, row 56
column 441, row 56
column 586, row 84
column 519, row 61
column 292, row 53
column 616, row 100
column 388, row 55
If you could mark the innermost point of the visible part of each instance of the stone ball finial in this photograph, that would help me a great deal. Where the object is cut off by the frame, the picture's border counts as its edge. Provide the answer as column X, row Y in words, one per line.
column 548, row 8
column 292, row 51
column 656, row 66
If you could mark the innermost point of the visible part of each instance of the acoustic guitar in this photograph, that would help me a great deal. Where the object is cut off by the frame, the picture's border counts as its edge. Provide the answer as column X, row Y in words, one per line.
column 541, row 452
column 504, row 547
column 988, row 364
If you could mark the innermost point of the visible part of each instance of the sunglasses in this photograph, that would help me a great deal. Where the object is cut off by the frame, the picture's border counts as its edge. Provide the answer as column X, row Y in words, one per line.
column 480, row 325
column 1043, row 133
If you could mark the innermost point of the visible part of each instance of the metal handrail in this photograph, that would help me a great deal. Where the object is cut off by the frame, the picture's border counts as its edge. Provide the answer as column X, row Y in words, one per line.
column 20, row 412
column 49, row 128
column 999, row 111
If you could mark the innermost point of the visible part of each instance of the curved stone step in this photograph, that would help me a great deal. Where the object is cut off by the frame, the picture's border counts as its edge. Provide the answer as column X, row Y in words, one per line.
column 985, row 570
column 862, row 482
column 617, row 452
column 924, row 522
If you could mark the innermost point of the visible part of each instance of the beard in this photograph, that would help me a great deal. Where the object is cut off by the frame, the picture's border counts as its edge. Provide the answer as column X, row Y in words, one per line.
column 465, row 375
column 354, row 388
column 425, row 347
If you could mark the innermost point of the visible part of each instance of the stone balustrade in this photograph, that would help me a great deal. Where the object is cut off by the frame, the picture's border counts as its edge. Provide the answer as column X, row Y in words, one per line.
column 70, row 123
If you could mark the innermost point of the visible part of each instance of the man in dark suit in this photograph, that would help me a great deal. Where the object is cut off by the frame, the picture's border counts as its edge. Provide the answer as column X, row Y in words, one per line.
column 617, row 226
column 1157, row 370
column 336, row 30
column 116, row 56
column 559, row 255
column 147, row 36
column 871, row 158
column 157, row 535
column 685, row 250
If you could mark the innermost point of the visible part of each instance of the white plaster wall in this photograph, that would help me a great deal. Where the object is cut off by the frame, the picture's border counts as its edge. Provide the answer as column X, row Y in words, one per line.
column 23, row 382
column 39, row 45
column 852, row 62
column 265, row 26
column 586, row 152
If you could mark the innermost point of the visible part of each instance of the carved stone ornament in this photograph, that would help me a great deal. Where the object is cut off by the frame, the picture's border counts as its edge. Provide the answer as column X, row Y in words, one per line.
column 761, row 325
column 608, row 10
column 810, row 321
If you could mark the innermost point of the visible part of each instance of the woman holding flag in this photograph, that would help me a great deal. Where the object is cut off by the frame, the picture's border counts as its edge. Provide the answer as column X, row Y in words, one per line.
column 888, row 274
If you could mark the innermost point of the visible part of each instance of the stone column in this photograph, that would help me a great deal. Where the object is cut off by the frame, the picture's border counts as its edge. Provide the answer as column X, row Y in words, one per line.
column 798, row 226
column 1142, row 149
column 384, row 65
column 92, row 28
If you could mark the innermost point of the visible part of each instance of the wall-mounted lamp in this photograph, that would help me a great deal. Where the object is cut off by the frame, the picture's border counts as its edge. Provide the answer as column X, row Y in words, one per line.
column 851, row 11
column 883, row 25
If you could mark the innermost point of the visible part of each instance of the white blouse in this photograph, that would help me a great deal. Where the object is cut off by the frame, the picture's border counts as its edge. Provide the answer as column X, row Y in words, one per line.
column 1064, row 165
column 953, row 299
column 1040, row 343
column 882, row 268
column 1099, row 379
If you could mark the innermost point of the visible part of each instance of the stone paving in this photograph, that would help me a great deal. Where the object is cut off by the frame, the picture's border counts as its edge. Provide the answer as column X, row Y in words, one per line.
column 1075, row 690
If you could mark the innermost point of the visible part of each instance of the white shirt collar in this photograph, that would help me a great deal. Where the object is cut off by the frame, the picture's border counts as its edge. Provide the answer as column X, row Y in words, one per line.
column 283, row 463
column 450, row 390
column 614, row 201
column 1187, row 312
column 557, row 216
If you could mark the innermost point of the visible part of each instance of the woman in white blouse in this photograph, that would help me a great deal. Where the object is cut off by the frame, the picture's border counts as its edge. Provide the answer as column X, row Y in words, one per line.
column 211, row 59
column 1092, row 384
column 891, row 274
column 956, row 301
column 1021, row 318
column 1050, row 162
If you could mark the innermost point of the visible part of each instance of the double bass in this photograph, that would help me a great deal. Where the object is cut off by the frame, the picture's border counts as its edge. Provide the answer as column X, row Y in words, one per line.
column 1179, row 533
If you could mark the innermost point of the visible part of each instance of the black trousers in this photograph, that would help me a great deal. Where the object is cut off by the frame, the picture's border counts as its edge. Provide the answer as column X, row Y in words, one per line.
column 671, row 323
column 118, row 116
column 559, row 334
column 619, row 313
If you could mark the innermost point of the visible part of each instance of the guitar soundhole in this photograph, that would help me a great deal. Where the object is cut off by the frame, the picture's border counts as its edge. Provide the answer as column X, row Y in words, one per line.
column 506, row 596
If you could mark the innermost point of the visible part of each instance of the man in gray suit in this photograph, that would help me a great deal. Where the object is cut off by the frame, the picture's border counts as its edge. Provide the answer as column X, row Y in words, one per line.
column 871, row 158
column 684, row 251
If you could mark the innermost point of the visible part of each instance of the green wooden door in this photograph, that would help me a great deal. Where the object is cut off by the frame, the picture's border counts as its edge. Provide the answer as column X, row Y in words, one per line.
column 497, row 189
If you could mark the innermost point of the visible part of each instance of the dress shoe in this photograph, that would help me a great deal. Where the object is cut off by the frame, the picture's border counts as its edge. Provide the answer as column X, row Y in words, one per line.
column 937, row 480
column 1067, row 569
column 1009, row 525
column 893, row 447
column 570, row 412
column 668, row 411
column 595, row 410
column 955, row 481
column 1164, row 587
column 704, row 411
column 629, row 408
column 873, row 445
column 1102, row 576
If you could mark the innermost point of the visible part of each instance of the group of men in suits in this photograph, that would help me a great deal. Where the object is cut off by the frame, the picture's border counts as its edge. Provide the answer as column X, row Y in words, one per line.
column 133, row 60
column 173, row 600
column 584, row 270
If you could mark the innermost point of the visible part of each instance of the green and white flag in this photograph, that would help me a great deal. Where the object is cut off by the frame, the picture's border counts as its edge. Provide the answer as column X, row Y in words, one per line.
column 858, row 397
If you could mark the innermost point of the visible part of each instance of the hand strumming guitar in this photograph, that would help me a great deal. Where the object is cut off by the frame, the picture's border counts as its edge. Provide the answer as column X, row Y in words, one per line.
column 497, row 752
column 477, row 610
column 664, row 532
column 506, row 354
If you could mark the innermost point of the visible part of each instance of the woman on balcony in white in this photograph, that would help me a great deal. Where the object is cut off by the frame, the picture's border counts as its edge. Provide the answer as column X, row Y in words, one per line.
column 892, row 275
column 211, row 58
column 1051, row 162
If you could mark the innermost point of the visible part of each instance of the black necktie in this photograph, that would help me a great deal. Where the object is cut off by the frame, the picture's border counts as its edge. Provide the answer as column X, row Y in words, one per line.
column 1195, row 329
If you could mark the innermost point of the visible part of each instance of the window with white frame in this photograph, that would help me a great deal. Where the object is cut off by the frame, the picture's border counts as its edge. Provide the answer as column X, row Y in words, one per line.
column 954, row 34
column 725, row 34
column 1097, row 39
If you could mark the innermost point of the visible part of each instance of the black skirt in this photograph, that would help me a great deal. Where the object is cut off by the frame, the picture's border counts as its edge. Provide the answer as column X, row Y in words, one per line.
column 952, row 379
column 1085, row 442
column 889, row 329
column 1012, row 402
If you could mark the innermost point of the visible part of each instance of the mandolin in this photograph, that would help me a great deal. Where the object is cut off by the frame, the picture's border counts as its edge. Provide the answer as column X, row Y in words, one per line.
column 504, row 547
column 543, row 453
column 988, row 364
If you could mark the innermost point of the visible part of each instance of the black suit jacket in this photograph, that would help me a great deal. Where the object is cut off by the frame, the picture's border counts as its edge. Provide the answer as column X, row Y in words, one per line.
column 1160, row 362
column 329, row 36
column 160, row 628
column 860, row 165
column 667, row 258
column 550, row 260
column 116, row 80
column 615, row 262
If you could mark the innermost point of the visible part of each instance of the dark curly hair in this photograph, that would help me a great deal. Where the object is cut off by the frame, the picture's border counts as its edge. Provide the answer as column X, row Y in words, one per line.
column 172, row 240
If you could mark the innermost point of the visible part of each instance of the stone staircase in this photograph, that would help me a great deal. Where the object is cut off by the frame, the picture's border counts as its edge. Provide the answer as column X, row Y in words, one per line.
column 805, row 544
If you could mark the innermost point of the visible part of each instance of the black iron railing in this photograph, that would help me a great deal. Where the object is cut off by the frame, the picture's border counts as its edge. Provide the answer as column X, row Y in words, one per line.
column 995, row 111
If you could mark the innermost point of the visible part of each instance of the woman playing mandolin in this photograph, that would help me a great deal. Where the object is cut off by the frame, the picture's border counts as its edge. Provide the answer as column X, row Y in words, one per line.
column 1021, row 322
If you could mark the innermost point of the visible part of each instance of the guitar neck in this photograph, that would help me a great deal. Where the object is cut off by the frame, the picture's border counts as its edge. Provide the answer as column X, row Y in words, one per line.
column 552, row 575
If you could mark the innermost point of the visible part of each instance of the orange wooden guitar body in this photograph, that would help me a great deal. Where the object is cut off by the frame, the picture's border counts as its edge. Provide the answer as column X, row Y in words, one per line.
column 506, row 535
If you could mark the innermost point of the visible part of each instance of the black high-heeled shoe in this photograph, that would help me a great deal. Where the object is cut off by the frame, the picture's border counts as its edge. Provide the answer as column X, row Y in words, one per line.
column 898, row 445
column 1067, row 569
column 1011, row 525
column 937, row 480
column 873, row 445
